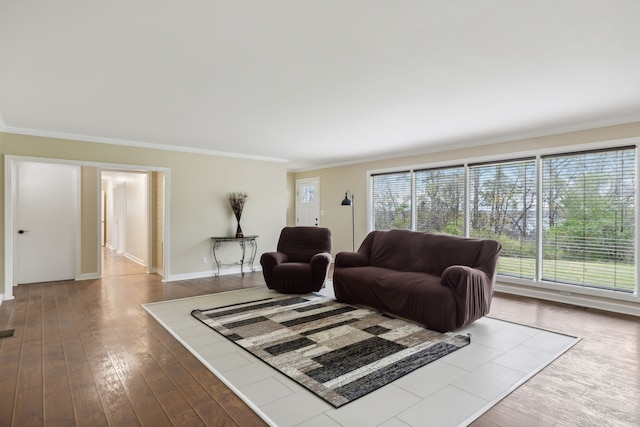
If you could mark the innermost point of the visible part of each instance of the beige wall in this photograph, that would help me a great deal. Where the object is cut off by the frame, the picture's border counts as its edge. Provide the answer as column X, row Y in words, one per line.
column 335, row 181
column 291, row 199
column 89, row 205
column 198, row 185
column 157, row 221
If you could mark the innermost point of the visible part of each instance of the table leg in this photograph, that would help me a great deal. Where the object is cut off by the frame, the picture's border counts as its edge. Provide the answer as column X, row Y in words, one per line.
column 215, row 246
column 254, row 250
column 243, row 246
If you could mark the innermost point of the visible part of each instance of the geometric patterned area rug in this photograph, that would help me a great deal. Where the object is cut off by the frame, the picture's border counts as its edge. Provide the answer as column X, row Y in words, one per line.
column 337, row 351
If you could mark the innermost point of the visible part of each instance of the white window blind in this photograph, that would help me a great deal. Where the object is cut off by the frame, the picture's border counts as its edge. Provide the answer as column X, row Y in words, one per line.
column 391, row 200
column 586, row 203
column 589, row 219
column 502, row 206
column 439, row 198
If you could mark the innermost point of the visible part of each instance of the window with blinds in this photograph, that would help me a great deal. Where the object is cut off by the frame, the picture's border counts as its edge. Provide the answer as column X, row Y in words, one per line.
column 563, row 218
column 391, row 200
column 502, row 206
column 439, row 200
column 588, row 225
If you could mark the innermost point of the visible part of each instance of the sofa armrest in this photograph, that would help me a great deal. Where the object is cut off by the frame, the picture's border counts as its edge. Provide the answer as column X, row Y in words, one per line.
column 472, row 290
column 351, row 259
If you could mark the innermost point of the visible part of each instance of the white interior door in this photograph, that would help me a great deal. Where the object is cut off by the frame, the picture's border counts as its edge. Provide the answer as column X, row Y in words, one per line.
column 308, row 202
column 46, row 215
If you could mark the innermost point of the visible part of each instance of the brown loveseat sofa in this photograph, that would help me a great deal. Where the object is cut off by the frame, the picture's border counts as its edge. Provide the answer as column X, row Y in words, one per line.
column 443, row 282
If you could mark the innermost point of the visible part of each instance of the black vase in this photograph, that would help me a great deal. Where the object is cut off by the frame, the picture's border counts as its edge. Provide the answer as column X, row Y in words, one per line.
column 238, row 230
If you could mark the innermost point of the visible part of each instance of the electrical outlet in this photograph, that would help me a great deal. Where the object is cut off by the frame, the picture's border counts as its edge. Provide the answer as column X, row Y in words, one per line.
column 204, row 259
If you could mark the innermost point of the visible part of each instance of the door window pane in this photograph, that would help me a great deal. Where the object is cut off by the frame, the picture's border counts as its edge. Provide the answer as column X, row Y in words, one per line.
column 308, row 194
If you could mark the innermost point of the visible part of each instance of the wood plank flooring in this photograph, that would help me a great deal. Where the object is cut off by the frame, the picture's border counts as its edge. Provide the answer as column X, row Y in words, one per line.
column 86, row 353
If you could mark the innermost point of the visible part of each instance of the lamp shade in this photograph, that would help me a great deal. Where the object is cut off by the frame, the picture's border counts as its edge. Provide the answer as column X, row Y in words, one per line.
column 346, row 201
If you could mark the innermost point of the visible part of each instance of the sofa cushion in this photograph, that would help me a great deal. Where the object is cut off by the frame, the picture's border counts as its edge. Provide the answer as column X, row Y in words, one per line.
column 405, row 250
column 413, row 295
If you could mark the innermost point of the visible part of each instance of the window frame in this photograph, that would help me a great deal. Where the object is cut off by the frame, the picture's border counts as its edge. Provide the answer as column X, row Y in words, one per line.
column 519, row 165
column 464, row 201
column 372, row 201
column 561, row 290
column 580, row 157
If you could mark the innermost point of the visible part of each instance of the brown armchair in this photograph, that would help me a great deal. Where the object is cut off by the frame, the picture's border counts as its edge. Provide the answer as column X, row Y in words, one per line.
column 302, row 260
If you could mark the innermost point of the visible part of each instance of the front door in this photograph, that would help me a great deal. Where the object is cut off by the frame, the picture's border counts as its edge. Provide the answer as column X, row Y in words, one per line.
column 46, row 216
column 308, row 202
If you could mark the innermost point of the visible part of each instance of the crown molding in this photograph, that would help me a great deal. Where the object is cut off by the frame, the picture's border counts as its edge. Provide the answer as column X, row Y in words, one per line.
column 132, row 143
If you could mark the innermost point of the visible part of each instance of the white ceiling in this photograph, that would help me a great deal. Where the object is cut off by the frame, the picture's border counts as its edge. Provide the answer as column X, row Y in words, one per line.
column 316, row 82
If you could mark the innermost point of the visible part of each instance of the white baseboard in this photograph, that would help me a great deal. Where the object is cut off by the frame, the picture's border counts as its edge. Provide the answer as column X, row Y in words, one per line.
column 208, row 273
column 157, row 271
column 127, row 255
column 614, row 306
column 134, row 259
column 88, row 276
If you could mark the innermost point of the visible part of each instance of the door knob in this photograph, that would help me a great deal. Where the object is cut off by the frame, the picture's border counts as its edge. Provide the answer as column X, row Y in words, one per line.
column 22, row 231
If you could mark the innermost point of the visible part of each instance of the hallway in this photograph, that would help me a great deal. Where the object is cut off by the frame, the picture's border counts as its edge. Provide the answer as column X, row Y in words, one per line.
column 115, row 264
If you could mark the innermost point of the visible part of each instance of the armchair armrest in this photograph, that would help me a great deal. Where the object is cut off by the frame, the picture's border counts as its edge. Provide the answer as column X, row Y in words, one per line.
column 472, row 290
column 351, row 259
column 274, row 258
column 321, row 260
column 268, row 261
column 320, row 266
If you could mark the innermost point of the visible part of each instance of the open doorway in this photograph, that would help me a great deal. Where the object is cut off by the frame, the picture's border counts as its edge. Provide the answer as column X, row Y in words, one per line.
column 124, row 222
column 85, row 229
column 130, row 236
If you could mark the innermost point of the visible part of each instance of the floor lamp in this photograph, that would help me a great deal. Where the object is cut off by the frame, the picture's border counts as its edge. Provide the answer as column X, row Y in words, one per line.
column 349, row 201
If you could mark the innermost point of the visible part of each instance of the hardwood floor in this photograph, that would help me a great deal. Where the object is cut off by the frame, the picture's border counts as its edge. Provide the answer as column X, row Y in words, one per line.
column 87, row 353
column 114, row 264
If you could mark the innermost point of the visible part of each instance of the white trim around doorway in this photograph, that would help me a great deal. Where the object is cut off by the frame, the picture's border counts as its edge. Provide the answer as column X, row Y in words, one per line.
column 9, row 217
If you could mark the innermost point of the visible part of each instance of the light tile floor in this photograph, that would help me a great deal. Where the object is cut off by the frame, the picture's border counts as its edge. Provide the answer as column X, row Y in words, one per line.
column 451, row 391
